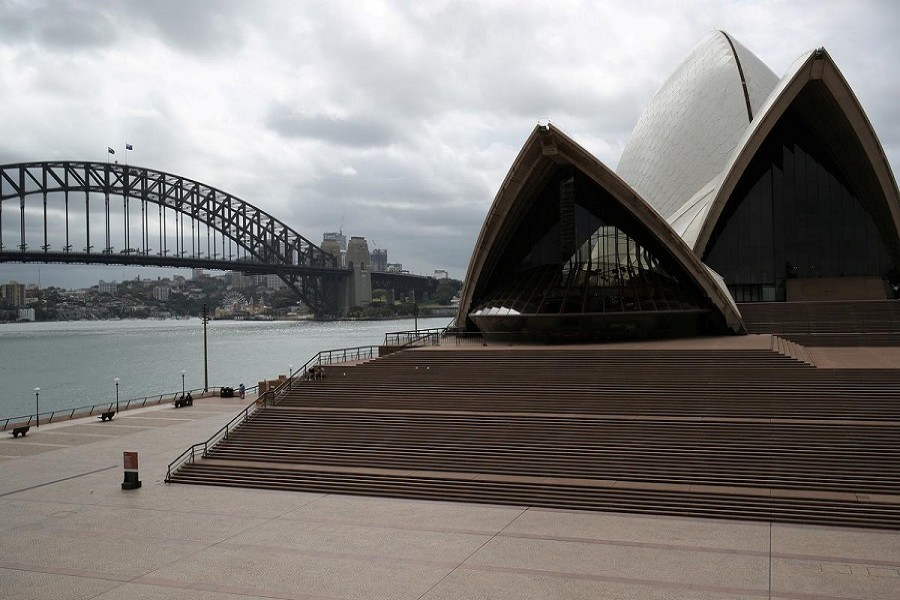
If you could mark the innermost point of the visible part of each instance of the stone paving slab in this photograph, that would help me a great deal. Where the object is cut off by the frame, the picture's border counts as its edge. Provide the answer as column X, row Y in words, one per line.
column 35, row 585
column 678, row 567
column 64, row 437
column 114, row 428
column 143, row 421
column 409, row 514
column 138, row 591
column 70, row 532
column 27, row 447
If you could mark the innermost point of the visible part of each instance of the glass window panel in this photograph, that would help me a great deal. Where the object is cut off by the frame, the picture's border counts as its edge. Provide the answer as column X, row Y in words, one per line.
column 793, row 214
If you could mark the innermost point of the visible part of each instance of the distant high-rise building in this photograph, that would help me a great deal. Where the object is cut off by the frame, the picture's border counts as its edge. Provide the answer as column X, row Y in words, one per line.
column 379, row 260
column 13, row 293
column 107, row 287
column 441, row 274
column 336, row 236
column 162, row 293
column 394, row 267
column 196, row 274
column 274, row 282
column 240, row 281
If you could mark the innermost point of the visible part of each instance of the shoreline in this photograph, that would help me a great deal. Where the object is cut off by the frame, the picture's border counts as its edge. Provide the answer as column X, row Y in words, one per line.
column 273, row 320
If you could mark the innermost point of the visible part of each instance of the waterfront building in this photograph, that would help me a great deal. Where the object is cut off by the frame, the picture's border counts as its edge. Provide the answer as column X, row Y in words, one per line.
column 441, row 274
column 13, row 293
column 107, row 287
column 395, row 267
column 162, row 293
column 240, row 281
column 726, row 427
column 735, row 186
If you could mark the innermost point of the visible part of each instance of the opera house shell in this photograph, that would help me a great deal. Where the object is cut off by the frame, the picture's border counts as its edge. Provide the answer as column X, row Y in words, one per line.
column 735, row 187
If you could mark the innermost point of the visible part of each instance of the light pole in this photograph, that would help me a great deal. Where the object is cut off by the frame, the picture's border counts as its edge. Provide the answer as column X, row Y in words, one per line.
column 117, row 394
column 205, row 356
column 182, row 383
column 37, row 407
column 291, row 371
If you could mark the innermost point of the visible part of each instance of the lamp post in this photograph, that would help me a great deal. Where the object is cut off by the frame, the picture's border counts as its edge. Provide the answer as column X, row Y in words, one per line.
column 182, row 382
column 117, row 394
column 205, row 356
column 37, row 407
column 291, row 371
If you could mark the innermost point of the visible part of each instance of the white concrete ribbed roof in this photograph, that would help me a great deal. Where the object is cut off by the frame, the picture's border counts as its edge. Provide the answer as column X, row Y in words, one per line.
column 694, row 122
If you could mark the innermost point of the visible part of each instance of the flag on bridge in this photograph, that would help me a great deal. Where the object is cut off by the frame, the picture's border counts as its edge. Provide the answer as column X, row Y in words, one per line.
column 128, row 147
column 110, row 150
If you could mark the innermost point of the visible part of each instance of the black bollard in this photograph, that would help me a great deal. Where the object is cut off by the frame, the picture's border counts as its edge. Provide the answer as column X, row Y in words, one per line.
column 131, row 472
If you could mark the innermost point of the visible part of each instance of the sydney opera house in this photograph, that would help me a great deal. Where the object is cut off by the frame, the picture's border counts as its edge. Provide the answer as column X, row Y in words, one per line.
column 741, row 204
column 735, row 188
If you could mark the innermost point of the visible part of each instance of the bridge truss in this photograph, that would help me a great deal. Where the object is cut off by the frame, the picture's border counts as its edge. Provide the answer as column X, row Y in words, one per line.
column 101, row 213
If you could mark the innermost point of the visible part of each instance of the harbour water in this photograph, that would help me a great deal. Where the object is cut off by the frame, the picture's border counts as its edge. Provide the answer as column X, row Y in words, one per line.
column 75, row 363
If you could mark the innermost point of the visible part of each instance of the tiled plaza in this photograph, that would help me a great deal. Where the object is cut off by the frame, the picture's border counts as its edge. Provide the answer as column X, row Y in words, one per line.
column 69, row 531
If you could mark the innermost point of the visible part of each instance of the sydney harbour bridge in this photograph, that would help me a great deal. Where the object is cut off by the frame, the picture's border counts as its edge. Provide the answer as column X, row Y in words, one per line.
column 100, row 213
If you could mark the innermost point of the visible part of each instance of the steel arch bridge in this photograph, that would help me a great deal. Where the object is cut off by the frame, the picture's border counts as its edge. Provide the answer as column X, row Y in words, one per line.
column 138, row 217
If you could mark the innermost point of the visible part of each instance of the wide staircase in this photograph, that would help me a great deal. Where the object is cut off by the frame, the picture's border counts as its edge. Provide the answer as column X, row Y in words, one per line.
column 869, row 317
column 738, row 433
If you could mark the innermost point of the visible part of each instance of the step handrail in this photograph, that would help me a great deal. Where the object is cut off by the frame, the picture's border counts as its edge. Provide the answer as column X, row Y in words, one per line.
column 270, row 398
column 235, row 422
column 412, row 337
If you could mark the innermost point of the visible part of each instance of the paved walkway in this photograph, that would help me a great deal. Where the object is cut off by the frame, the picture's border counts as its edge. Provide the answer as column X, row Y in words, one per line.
column 68, row 531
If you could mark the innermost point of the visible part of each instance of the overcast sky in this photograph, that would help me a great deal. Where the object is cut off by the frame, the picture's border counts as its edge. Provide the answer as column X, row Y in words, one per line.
column 397, row 119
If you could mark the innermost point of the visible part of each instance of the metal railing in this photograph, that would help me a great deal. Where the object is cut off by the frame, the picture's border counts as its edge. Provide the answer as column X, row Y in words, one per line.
column 271, row 398
column 419, row 337
column 328, row 357
column 97, row 409
column 190, row 454
column 403, row 338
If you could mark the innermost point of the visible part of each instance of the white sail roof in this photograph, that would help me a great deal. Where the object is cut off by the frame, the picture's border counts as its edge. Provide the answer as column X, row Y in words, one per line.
column 694, row 122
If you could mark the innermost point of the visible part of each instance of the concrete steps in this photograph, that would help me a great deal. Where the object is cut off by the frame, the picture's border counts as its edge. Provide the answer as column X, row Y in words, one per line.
column 756, row 434
column 859, row 316
column 750, row 504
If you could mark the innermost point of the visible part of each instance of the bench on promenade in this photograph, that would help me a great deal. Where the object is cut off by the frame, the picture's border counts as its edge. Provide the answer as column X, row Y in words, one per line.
column 108, row 415
column 17, row 431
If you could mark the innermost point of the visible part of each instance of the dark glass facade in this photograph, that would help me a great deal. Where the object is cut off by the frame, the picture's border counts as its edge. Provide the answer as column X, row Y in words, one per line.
column 794, row 214
column 576, row 250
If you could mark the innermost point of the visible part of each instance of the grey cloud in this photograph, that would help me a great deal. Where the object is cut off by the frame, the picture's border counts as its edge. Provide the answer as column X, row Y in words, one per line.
column 59, row 26
column 354, row 131
column 400, row 118
column 196, row 26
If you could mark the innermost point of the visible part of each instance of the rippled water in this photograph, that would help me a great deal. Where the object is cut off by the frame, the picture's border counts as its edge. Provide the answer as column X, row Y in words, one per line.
column 75, row 363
